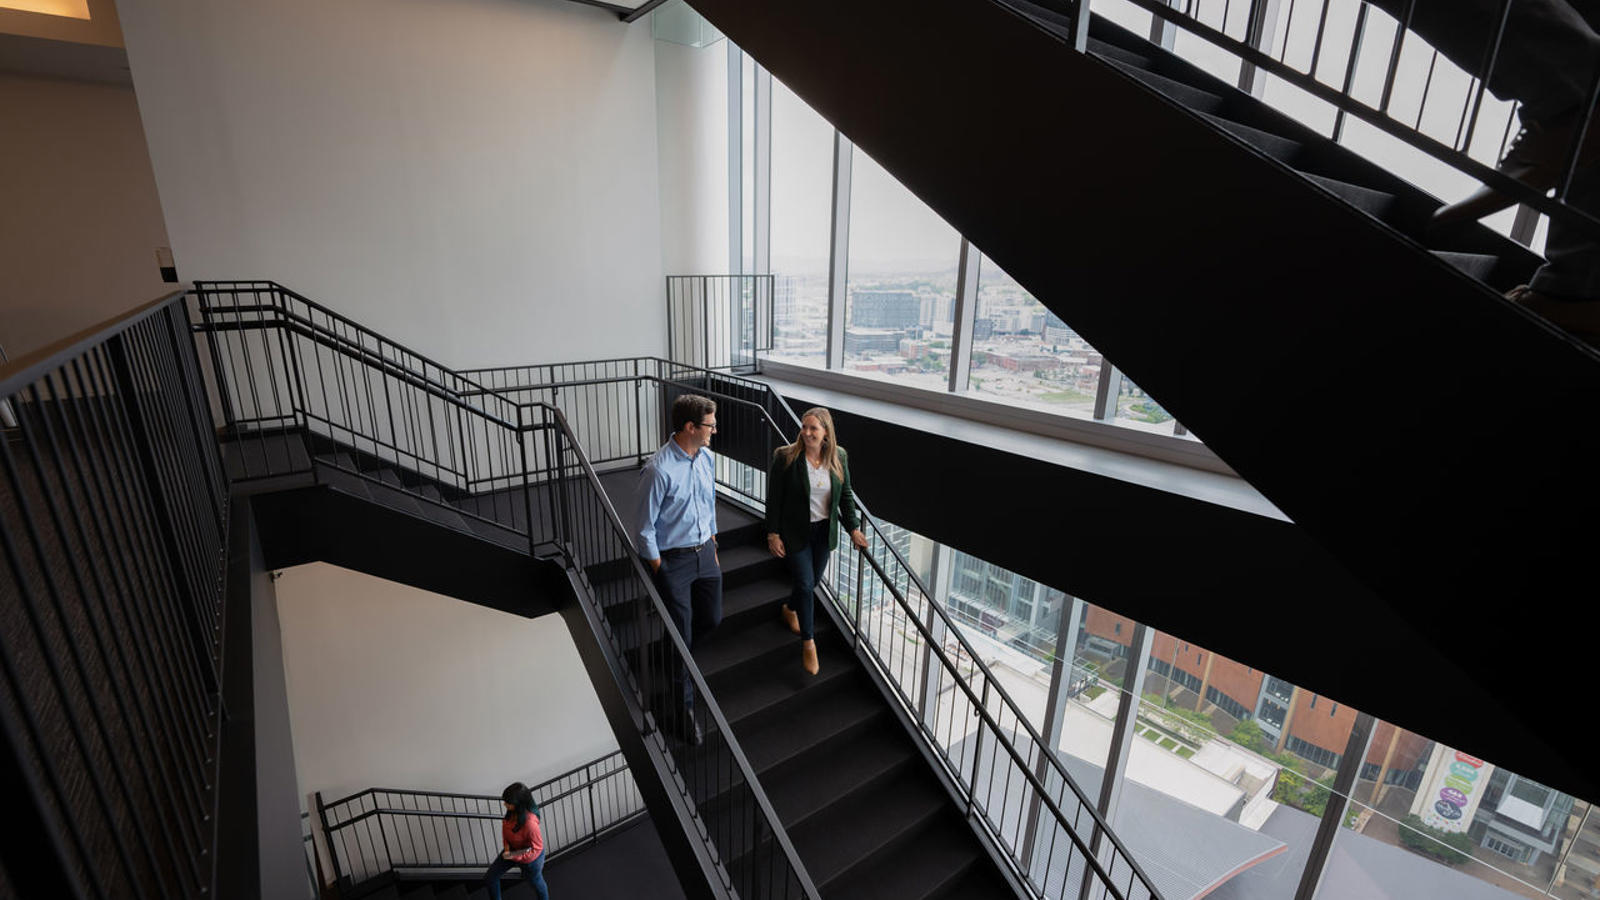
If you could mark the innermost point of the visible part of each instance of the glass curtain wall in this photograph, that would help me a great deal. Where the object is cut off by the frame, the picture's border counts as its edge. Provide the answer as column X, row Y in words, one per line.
column 1024, row 354
column 901, row 292
column 1226, row 772
column 802, row 209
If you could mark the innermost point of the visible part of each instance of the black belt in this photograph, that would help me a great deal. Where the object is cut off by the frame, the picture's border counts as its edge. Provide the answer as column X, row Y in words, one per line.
column 675, row 551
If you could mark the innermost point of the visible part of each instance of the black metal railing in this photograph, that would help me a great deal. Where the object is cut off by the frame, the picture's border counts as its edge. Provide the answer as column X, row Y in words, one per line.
column 306, row 391
column 382, row 830
column 720, row 321
column 619, row 411
column 308, row 844
column 1319, row 50
column 754, row 855
column 113, row 523
column 1020, row 793
column 303, row 390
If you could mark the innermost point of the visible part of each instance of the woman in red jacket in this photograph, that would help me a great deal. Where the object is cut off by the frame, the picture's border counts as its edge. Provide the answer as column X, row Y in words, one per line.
column 522, row 843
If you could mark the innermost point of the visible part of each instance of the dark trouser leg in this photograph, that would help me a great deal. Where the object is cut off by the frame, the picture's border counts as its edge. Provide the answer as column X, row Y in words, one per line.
column 673, row 582
column 491, row 878
column 806, row 566
column 534, row 872
column 706, row 591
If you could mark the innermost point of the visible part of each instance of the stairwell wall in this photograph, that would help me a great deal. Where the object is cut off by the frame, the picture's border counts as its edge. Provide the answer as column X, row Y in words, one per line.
column 391, row 686
column 474, row 178
column 692, row 137
column 81, row 217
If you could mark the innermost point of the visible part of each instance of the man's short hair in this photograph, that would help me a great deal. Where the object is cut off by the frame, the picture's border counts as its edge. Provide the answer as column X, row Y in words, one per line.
column 691, row 408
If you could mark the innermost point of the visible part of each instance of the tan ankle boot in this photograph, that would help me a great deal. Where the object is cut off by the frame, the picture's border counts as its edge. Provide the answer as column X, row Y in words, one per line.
column 808, row 656
column 790, row 618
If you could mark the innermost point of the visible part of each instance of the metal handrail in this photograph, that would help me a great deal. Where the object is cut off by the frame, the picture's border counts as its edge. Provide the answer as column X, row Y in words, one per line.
column 532, row 417
column 1024, row 765
column 950, row 628
column 335, row 341
column 764, row 805
column 1379, row 118
column 202, row 286
column 912, row 578
column 29, row 367
column 428, row 848
column 554, row 414
column 309, row 329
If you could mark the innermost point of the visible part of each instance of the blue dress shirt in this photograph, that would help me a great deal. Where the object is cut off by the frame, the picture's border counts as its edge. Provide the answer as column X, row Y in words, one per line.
column 676, row 504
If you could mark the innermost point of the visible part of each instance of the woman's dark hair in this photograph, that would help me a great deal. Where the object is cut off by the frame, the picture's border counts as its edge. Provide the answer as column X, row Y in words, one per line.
column 521, row 800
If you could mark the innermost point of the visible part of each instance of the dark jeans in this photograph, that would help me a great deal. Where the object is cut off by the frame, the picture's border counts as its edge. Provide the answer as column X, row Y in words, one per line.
column 690, row 582
column 806, row 565
column 1548, row 59
column 532, row 871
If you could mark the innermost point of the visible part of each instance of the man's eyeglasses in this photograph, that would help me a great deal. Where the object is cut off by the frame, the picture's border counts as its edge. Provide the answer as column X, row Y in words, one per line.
column 709, row 426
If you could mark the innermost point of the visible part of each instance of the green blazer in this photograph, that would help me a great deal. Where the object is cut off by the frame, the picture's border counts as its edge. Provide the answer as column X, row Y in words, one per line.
column 789, row 502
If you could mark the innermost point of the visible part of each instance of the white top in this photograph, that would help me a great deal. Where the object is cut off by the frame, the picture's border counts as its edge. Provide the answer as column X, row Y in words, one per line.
column 821, row 491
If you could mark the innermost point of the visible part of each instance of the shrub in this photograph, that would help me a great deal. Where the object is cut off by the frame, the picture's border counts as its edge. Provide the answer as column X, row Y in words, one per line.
column 1455, row 849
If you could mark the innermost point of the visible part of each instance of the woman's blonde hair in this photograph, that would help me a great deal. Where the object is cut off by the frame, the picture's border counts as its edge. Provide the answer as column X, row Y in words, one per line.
column 830, row 443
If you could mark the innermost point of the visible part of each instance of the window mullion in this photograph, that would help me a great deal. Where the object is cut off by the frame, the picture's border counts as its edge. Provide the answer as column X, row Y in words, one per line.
column 839, row 249
column 965, row 317
column 735, row 159
column 762, row 264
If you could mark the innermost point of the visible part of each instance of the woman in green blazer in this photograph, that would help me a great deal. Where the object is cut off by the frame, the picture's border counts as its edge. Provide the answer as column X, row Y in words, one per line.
column 808, row 496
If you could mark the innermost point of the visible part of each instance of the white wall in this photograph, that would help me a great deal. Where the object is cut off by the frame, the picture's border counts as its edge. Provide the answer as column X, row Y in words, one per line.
column 390, row 686
column 692, row 112
column 474, row 178
column 80, row 214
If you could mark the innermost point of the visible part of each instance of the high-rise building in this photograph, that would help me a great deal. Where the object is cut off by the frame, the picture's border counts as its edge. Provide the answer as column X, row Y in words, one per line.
column 885, row 309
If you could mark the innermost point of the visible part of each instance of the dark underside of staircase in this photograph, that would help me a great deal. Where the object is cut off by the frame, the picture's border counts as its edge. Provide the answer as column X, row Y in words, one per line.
column 857, row 797
column 1281, row 298
column 328, row 502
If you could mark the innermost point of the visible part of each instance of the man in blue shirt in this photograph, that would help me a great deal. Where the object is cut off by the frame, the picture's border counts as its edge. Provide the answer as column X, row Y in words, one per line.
column 675, row 529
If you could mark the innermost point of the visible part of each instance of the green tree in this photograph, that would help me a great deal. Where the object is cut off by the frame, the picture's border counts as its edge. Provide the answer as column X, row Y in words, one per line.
column 1248, row 734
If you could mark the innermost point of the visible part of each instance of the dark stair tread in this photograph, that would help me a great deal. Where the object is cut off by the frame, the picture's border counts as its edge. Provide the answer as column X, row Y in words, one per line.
column 941, row 860
column 1189, row 96
column 453, row 892
column 853, row 705
column 867, row 824
column 1373, row 202
column 743, row 563
column 518, row 891
column 1276, row 146
column 750, row 598
column 751, row 649
column 815, row 782
column 1120, row 54
column 745, row 698
column 421, row 892
column 732, row 518
column 981, row 881
column 1478, row 265
column 479, row 894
